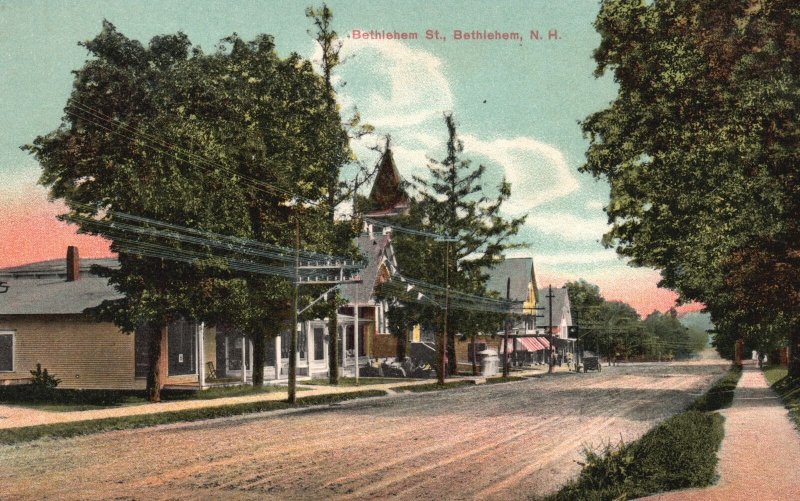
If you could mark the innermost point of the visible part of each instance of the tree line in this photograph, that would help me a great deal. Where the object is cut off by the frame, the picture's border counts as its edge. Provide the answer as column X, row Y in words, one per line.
column 700, row 149
column 614, row 330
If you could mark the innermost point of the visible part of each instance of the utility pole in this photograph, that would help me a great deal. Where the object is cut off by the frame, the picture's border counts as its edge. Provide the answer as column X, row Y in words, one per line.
column 505, row 336
column 550, row 297
column 442, row 341
column 293, row 338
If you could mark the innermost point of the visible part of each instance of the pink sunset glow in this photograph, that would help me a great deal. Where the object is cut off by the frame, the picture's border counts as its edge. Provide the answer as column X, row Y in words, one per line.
column 32, row 233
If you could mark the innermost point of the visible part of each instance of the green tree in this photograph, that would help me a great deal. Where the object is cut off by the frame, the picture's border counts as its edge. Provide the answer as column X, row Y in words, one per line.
column 220, row 142
column 701, row 151
column 452, row 202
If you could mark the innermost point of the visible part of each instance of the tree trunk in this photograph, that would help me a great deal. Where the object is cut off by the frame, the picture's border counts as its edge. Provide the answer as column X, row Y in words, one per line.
column 440, row 356
column 333, row 344
column 155, row 362
column 259, row 339
column 452, row 362
column 794, row 351
column 402, row 342
column 474, row 357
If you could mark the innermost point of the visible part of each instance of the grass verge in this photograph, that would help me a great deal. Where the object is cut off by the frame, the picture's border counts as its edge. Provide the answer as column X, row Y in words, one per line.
column 77, row 428
column 419, row 388
column 509, row 379
column 720, row 395
column 67, row 400
column 351, row 381
column 679, row 453
column 787, row 388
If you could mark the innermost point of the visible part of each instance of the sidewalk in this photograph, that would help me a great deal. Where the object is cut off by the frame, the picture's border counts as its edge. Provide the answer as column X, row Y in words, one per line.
column 760, row 453
column 15, row 417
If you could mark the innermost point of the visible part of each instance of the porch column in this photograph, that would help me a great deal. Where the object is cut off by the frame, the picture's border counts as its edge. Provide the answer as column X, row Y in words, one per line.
column 309, row 345
column 355, row 340
column 325, row 342
column 344, row 348
column 277, row 356
column 251, row 357
column 244, row 359
column 201, row 355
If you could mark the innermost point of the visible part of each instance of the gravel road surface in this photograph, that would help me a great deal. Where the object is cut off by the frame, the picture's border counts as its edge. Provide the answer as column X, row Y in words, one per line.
column 501, row 441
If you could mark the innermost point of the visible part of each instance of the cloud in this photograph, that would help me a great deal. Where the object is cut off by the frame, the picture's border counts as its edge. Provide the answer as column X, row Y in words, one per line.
column 595, row 205
column 538, row 172
column 404, row 91
column 392, row 84
column 568, row 226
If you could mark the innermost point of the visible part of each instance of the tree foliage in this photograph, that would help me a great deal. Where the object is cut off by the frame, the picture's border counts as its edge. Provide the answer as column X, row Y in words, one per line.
column 218, row 142
column 614, row 329
column 700, row 149
column 451, row 201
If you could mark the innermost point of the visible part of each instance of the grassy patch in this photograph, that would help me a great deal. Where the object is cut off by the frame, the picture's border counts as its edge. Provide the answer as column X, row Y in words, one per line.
column 677, row 454
column 419, row 388
column 66, row 400
column 509, row 379
column 787, row 388
column 720, row 395
column 775, row 373
column 351, row 381
column 223, row 392
column 67, row 430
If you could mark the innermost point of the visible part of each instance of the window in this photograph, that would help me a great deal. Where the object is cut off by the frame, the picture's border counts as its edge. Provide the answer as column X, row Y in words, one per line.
column 319, row 343
column 6, row 351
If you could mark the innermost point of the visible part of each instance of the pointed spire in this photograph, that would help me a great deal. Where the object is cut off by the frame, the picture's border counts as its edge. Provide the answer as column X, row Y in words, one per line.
column 387, row 192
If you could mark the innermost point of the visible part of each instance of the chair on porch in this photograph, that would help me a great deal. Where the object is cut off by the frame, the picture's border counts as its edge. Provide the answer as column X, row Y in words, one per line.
column 211, row 373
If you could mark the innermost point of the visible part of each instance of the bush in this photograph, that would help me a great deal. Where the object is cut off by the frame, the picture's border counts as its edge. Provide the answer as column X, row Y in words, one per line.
column 42, row 380
column 720, row 395
column 678, row 453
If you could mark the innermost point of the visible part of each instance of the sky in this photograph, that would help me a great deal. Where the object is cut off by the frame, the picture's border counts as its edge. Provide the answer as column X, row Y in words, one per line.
column 517, row 104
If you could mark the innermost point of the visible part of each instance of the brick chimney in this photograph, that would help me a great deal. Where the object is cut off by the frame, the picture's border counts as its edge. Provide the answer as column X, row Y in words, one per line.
column 73, row 264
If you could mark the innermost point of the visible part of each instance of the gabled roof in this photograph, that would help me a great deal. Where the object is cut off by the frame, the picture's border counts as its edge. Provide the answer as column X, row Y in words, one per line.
column 42, row 289
column 561, row 306
column 520, row 272
column 376, row 249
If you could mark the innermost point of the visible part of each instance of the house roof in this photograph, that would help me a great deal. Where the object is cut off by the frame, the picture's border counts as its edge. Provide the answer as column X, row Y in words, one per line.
column 518, row 269
column 375, row 249
column 561, row 307
column 42, row 289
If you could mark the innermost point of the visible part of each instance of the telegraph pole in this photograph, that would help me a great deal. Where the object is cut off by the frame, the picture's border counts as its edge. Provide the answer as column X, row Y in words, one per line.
column 550, row 297
column 505, row 336
column 293, row 337
column 442, row 341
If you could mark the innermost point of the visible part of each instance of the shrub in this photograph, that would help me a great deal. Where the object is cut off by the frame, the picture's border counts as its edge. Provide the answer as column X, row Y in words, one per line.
column 43, row 383
column 720, row 395
column 678, row 453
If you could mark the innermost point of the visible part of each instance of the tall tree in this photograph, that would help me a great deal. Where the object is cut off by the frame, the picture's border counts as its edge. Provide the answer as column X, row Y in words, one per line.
column 337, row 190
column 220, row 142
column 701, row 151
column 452, row 202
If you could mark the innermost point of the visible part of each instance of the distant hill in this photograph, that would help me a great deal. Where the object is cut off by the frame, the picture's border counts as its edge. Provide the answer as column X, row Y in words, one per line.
column 697, row 320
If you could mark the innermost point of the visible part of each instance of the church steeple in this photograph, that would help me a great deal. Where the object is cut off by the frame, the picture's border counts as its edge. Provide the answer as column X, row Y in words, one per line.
column 387, row 198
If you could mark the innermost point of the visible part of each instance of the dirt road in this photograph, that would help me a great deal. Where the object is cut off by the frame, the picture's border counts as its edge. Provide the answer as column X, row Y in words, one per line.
column 503, row 441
